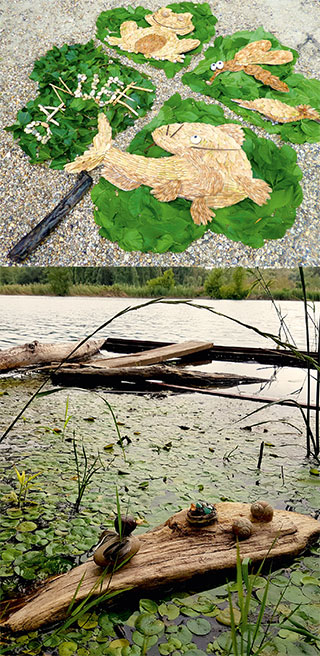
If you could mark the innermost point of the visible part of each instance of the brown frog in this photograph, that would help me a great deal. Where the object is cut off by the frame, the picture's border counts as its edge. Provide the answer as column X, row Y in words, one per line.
column 159, row 41
column 208, row 166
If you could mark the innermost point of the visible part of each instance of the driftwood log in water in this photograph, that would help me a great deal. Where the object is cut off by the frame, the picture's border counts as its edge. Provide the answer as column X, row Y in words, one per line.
column 32, row 239
column 151, row 356
column 36, row 353
column 170, row 553
column 90, row 375
column 277, row 357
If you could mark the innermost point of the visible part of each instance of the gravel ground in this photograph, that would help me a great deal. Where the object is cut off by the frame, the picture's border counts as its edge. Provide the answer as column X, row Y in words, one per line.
column 27, row 193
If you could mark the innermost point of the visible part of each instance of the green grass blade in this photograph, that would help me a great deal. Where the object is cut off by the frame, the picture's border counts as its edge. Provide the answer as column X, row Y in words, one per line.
column 261, row 614
column 233, row 627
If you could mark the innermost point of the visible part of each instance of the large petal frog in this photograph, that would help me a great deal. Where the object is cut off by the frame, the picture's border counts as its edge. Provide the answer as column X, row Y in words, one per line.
column 159, row 41
column 208, row 166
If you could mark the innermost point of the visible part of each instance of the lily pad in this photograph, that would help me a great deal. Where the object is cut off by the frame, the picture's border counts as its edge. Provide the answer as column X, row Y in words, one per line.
column 120, row 642
column 142, row 640
column 26, row 527
column 148, row 605
column 169, row 610
column 149, row 625
column 224, row 617
column 199, row 626
column 67, row 648
column 88, row 621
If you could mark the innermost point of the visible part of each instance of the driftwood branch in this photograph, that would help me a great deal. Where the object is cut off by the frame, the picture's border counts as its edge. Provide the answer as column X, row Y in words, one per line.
column 36, row 353
column 277, row 357
column 89, row 376
column 32, row 239
column 170, row 553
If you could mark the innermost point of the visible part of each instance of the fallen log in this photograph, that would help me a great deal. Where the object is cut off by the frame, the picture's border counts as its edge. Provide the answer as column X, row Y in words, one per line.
column 90, row 375
column 277, row 357
column 36, row 353
column 172, row 552
column 32, row 239
column 151, row 356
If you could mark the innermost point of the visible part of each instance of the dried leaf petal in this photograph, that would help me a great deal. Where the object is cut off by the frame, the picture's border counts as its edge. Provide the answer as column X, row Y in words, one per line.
column 278, row 111
column 258, row 52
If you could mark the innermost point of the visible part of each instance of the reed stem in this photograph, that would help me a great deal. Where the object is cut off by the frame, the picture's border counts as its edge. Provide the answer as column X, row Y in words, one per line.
column 306, row 321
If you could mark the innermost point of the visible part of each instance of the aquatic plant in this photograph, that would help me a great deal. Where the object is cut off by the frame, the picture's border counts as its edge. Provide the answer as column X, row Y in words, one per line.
column 247, row 637
column 85, row 471
column 25, row 485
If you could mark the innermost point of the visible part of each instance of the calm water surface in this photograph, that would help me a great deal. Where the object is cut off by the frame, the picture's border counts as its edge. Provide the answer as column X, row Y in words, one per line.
column 50, row 319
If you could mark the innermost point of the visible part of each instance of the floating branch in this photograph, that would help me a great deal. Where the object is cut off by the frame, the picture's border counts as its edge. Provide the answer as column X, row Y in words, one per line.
column 174, row 551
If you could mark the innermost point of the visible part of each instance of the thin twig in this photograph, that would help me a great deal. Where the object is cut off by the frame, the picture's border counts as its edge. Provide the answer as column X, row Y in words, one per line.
column 66, row 86
column 260, row 455
column 127, row 106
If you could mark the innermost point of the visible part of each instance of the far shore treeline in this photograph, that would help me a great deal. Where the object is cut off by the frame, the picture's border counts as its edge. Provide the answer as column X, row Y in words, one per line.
column 176, row 282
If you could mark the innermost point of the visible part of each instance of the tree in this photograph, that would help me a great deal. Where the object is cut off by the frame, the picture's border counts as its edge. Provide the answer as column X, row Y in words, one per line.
column 161, row 284
column 59, row 279
column 8, row 275
column 238, row 278
column 213, row 282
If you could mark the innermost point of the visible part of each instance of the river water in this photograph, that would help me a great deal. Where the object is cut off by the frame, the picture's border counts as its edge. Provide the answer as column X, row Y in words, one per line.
column 50, row 319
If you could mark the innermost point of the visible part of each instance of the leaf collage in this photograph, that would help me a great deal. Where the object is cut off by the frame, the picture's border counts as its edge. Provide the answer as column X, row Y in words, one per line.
column 77, row 120
column 108, row 23
column 134, row 219
column 240, row 85
column 137, row 221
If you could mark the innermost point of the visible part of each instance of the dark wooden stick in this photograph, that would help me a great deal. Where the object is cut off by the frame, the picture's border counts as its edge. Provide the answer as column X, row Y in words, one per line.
column 31, row 241
column 260, row 455
column 230, row 395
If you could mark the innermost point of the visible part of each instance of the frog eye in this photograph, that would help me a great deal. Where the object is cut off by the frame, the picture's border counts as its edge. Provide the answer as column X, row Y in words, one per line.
column 181, row 19
column 219, row 64
column 195, row 139
column 213, row 66
column 165, row 12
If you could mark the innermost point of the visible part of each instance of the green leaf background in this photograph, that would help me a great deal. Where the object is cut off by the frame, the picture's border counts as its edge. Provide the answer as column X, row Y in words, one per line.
column 240, row 85
column 108, row 24
column 78, row 123
column 137, row 221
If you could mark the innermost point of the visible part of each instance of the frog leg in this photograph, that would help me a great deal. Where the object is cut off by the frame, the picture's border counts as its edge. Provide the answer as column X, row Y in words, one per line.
column 128, row 27
column 200, row 212
column 258, row 190
column 126, row 30
column 166, row 191
column 185, row 45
